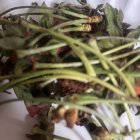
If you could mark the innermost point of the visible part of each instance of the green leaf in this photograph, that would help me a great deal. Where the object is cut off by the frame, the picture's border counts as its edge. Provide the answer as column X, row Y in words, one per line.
column 13, row 30
column 105, row 44
column 134, row 33
column 21, row 66
column 12, row 42
column 120, row 18
column 114, row 25
column 23, row 92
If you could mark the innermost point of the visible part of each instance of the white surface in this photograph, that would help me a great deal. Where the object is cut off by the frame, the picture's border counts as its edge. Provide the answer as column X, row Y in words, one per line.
column 14, row 119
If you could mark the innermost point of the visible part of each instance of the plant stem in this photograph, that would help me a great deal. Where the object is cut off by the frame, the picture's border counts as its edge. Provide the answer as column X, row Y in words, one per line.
column 37, row 13
column 130, row 118
column 77, row 22
column 81, row 28
column 85, row 46
column 116, row 38
column 23, row 53
column 92, row 100
column 24, row 7
column 94, row 45
column 119, row 48
column 86, row 102
column 90, row 70
column 73, row 14
column 79, row 75
column 79, row 64
column 131, row 62
column 35, row 74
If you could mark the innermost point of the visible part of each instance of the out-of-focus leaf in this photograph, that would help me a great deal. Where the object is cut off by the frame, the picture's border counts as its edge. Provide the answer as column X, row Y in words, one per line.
column 12, row 42
column 99, row 7
column 120, row 18
column 23, row 92
column 13, row 30
column 47, row 21
column 82, row 1
column 21, row 65
column 114, row 20
column 134, row 33
column 126, row 25
column 105, row 44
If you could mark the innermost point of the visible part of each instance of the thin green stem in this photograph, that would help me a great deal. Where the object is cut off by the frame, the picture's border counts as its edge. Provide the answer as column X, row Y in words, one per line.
column 116, row 38
column 92, row 100
column 119, row 48
column 35, row 74
column 89, row 68
column 94, row 45
column 82, row 76
column 79, row 64
column 23, row 53
column 36, row 39
column 130, row 62
column 77, row 22
column 101, row 56
column 73, row 14
column 26, row 7
column 37, row 13
column 111, row 106
column 130, row 118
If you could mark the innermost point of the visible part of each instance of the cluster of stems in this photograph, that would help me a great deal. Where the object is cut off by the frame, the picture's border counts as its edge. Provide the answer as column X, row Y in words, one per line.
column 49, row 72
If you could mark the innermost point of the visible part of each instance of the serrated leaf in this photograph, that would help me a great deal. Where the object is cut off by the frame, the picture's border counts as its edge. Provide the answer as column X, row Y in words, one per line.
column 134, row 33
column 11, row 43
column 112, row 22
